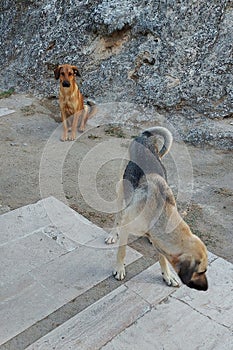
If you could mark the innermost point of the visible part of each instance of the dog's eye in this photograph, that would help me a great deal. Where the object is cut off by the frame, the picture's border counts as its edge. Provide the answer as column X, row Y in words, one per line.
column 62, row 73
column 201, row 273
column 70, row 73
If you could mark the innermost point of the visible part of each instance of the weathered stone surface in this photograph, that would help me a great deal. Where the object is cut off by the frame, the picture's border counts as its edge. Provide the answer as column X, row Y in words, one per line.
column 174, row 57
column 173, row 325
column 49, row 255
column 150, row 286
column 216, row 303
column 99, row 323
column 46, row 269
column 144, row 315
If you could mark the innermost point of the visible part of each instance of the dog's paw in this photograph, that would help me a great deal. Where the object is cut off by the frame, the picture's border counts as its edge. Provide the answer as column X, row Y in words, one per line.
column 72, row 137
column 171, row 280
column 119, row 273
column 111, row 240
column 64, row 138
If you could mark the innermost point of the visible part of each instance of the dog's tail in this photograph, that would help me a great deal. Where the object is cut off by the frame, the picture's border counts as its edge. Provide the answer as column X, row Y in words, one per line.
column 92, row 110
column 165, row 133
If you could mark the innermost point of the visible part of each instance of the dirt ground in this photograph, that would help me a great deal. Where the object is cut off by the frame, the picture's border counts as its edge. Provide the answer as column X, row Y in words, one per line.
column 36, row 164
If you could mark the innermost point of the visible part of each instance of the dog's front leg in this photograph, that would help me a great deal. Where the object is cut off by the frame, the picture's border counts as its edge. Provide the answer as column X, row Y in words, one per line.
column 168, row 276
column 114, row 235
column 65, row 129
column 84, row 119
column 119, row 273
column 74, row 126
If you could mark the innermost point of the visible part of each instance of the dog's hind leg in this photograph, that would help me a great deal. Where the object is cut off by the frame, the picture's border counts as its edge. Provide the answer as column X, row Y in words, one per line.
column 168, row 276
column 119, row 273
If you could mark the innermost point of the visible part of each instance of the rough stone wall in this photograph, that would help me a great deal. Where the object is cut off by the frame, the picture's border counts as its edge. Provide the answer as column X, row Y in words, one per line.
column 173, row 55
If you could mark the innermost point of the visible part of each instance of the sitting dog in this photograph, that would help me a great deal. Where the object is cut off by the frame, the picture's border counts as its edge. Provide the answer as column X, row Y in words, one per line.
column 147, row 207
column 71, row 101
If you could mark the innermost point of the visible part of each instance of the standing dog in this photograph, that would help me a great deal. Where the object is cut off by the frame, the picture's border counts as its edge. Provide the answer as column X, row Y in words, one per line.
column 149, row 208
column 71, row 101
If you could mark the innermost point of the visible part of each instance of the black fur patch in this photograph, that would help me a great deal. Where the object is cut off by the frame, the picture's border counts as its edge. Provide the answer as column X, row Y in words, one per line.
column 146, row 162
column 186, row 271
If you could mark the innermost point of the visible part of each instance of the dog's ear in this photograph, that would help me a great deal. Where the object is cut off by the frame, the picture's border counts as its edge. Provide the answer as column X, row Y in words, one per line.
column 57, row 72
column 76, row 71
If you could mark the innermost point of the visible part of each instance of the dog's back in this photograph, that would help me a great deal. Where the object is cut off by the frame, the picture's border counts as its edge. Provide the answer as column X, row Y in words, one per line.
column 145, row 158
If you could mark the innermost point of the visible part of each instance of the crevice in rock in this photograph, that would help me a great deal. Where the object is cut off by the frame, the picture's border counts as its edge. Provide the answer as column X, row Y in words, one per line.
column 109, row 45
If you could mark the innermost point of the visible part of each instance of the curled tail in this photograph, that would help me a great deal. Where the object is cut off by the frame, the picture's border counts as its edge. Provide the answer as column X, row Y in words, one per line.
column 145, row 158
column 165, row 133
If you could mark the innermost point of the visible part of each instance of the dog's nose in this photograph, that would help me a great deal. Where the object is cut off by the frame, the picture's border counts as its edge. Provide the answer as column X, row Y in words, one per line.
column 199, row 284
column 66, row 83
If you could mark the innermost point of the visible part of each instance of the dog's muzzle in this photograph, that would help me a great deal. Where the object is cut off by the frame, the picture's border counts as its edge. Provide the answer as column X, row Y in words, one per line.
column 199, row 284
column 66, row 83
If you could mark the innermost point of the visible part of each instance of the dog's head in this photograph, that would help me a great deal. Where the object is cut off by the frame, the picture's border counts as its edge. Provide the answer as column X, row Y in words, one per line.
column 66, row 73
column 192, row 266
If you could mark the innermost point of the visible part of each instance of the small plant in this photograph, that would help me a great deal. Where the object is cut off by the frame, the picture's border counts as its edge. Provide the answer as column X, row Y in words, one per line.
column 7, row 93
column 28, row 110
column 94, row 137
column 114, row 130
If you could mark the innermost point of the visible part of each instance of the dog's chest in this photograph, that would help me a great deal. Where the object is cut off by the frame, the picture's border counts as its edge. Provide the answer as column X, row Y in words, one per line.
column 69, row 104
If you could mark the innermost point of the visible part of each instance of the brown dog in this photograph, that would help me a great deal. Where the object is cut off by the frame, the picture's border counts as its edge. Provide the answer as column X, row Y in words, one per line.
column 147, row 207
column 71, row 101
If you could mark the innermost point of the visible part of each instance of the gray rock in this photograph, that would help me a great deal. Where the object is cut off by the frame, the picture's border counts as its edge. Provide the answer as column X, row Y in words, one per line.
column 172, row 56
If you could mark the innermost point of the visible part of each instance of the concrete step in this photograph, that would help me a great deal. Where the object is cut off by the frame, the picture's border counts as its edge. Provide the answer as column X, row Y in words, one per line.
column 56, row 291
column 49, row 255
column 145, row 314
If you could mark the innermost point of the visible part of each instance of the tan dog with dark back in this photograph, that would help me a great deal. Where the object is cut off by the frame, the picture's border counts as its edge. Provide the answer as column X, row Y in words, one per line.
column 149, row 208
column 71, row 101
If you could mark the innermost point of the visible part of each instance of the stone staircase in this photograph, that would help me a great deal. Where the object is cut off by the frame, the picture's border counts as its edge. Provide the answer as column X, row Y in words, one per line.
column 57, row 291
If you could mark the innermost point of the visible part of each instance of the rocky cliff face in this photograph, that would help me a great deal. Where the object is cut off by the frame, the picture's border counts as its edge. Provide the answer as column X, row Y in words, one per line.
column 174, row 56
